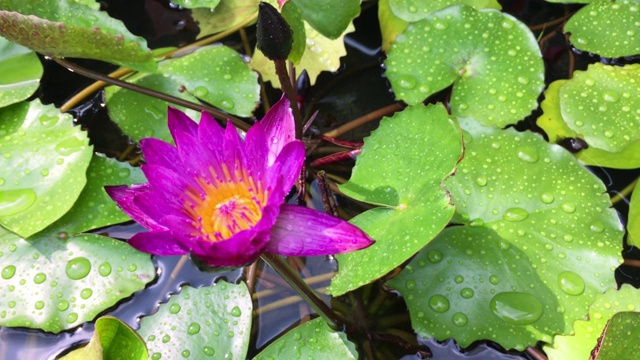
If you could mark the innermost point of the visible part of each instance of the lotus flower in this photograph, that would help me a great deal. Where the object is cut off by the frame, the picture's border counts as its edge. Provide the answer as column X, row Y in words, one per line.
column 222, row 199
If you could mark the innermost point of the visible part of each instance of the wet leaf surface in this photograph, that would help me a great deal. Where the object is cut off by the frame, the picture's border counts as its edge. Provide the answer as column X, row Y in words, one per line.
column 522, row 267
column 491, row 58
column 192, row 4
column 20, row 75
column 54, row 284
column 402, row 172
column 210, row 322
column 414, row 10
column 42, row 168
column 227, row 14
column 311, row 340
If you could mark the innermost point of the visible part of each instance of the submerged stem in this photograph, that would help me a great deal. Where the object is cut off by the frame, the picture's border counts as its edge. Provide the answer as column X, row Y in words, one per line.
column 304, row 290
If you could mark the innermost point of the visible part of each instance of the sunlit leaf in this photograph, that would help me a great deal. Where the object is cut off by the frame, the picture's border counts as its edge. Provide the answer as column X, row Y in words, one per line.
column 42, row 167
column 192, row 4
column 633, row 222
column 20, row 75
column 210, row 322
column 311, row 340
column 54, row 284
column 538, row 242
column 587, row 332
column 226, row 15
column 414, row 10
column 69, row 29
column 112, row 340
column 329, row 17
column 619, row 339
column 401, row 171
column 390, row 25
column 491, row 58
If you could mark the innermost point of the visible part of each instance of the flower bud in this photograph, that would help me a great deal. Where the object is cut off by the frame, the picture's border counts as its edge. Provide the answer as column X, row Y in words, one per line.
column 275, row 37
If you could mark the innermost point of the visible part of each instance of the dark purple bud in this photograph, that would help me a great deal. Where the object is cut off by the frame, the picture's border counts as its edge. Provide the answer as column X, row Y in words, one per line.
column 573, row 145
column 274, row 35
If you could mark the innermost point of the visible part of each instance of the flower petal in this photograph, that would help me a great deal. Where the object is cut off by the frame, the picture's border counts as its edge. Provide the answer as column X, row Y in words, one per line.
column 241, row 249
column 157, row 243
column 233, row 149
column 160, row 153
column 301, row 231
column 210, row 134
column 180, row 121
column 285, row 171
column 256, row 151
column 167, row 184
column 124, row 196
column 279, row 126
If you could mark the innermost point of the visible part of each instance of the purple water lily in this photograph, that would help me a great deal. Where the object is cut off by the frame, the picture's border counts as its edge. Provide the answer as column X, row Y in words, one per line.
column 222, row 199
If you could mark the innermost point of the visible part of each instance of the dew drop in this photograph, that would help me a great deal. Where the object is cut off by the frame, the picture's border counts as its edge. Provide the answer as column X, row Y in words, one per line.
column 467, row 293
column 407, row 82
column 608, row 134
column 193, row 328
column 78, row 268
column 8, row 272
column 174, row 309
column 523, row 80
column 63, row 305
column 236, row 312
column 86, row 293
column 71, row 318
column 227, row 104
column 39, row 305
column 185, row 353
column 16, row 201
column 132, row 267
column 156, row 356
column 166, row 339
column 597, row 227
column 481, row 180
column 434, row 256
column 69, row 146
column 208, row 350
column 589, row 82
column 610, row 96
column 200, row 92
column 494, row 279
column 104, row 269
column 44, row 172
column 459, row 279
column 516, row 308
column 515, row 214
column 571, row 283
column 39, row 278
column 439, row 303
column 410, row 284
column 441, row 25
column 547, row 198
column 528, row 154
column 569, row 207
column 124, row 173
column 412, row 9
column 460, row 319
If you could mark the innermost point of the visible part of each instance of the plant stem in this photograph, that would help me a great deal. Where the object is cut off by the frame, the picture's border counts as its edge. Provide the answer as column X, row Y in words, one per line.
column 149, row 92
column 389, row 109
column 304, row 290
column 285, row 83
column 625, row 192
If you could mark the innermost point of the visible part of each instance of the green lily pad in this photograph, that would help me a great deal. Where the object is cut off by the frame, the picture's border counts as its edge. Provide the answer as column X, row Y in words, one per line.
column 21, row 72
column 390, row 25
column 329, row 17
column 311, row 340
column 210, row 322
column 54, row 284
column 620, row 338
column 66, row 28
column 193, row 4
column 633, row 223
column 112, row 339
column 538, row 243
column 293, row 16
column 94, row 207
column 610, row 29
column 491, row 58
column 141, row 116
column 599, row 106
column 228, row 83
column 401, row 171
column 228, row 14
column 42, row 168
column 414, row 10
column 586, row 332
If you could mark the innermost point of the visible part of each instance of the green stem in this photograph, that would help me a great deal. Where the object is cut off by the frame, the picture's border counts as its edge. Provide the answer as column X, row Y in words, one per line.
column 285, row 83
column 304, row 290
column 625, row 192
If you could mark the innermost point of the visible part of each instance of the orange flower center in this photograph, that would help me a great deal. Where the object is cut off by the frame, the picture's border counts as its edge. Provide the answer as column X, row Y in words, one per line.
column 226, row 206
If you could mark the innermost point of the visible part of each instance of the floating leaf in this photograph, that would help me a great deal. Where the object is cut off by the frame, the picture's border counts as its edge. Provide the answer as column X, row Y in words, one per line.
column 227, row 14
column 192, row 4
column 414, row 10
column 69, row 29
column 112, row 339
column 390, row 25
column 492, row 60
column 42, row 168
column 329, row 17
column 620, row 338
column 311, row 340
column 21, row 72
column 538, row 243
column 598, row 106
column 228, row 82
column 54, row 284
column 210, row 322
column 94, row 207
column 610, row 29
column 402, row 171
column 586, row 332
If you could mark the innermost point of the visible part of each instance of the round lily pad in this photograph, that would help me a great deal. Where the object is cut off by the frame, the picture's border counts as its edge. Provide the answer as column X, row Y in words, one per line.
column 42, row 167
column 54, row 284
column 21, row 72
column 538, row 241
column 607, row 28
column 401, row 171
column 414, row 10
column 491, row 58
column 210, row 322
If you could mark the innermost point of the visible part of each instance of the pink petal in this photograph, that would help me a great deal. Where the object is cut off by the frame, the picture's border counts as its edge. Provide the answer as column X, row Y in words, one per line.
column 241, row 249
column 301, row 231
column 124, row 196
column 256, row 151
column 210, row 133
column 180, row 121
column 160, row 153
column 279, row 126
column 285, row 171
column 157, row 243
column 233, row 149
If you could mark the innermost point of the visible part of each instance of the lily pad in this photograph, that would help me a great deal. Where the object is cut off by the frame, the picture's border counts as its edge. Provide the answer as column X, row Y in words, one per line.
column 390, row 25
column 401, row 171
column 414, row 10
column 228, row 83
column 610, row 29
column 192, row 4
column 619, row 339
column 21, row 72
column 94, row 207
column 210, row 322
column 491, row 58
column 587, row 332
column 42, row 168
column 537, row 244
column 227, row 14
column 112, row 339
column 55, row 285
column 69, row 29
column 329, row 17
column 311, row 340
column 599, row 106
